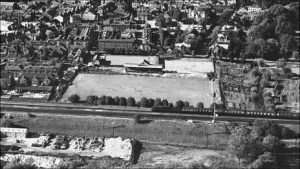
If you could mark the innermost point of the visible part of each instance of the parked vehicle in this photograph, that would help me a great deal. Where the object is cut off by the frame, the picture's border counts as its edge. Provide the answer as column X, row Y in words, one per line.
column 42, row 141
column 58, row 141
column 64, row 146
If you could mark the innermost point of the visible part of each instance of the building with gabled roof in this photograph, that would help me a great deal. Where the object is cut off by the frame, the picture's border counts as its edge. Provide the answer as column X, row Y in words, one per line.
column 41, row 70
column 13, row 69
column 6, row 5
column 143, row 66
column 115, row 43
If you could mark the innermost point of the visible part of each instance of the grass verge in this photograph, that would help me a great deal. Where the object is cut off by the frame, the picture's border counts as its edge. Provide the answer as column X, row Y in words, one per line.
column 165, row 132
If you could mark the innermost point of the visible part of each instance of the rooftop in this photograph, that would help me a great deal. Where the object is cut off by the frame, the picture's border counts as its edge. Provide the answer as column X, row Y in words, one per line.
column 35, row 88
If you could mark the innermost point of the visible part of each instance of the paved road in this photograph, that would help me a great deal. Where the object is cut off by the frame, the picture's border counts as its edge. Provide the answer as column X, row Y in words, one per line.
column 114, row 112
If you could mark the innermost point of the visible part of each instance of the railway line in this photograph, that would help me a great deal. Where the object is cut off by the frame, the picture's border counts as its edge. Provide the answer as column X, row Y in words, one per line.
column 118, row 111
column 70, row 106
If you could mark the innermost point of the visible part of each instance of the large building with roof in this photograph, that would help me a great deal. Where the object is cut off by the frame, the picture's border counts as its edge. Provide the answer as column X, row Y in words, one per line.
column 144, row 66
column 115, row 43
column 14, row 132
column 6, row 5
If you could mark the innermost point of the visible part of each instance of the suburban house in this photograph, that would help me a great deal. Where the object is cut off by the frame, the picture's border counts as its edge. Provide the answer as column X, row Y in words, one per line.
column 6, row 80
column 13, row 69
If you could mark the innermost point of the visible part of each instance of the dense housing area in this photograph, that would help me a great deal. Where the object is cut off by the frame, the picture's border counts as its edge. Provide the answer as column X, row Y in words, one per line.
column 188, row 60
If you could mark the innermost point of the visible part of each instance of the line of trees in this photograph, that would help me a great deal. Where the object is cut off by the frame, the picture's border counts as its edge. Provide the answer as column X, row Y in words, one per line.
column 130, row 101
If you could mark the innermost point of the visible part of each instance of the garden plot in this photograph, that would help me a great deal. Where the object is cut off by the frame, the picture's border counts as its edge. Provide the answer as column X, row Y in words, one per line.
column 192, row 90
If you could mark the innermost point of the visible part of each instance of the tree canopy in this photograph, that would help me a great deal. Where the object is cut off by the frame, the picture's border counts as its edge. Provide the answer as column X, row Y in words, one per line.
column 92, row 100
column 242, row 144
column 144, row 102
column 130, row 101
column 175, row 13
column 271, row 35
column 265, row 160
column 75, row 98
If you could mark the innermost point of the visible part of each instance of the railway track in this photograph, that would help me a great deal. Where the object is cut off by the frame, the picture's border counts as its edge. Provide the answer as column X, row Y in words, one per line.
column 70, row 106
column 117, row 111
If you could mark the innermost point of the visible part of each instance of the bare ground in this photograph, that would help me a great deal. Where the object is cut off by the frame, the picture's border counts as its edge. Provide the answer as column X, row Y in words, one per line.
column 158, row 155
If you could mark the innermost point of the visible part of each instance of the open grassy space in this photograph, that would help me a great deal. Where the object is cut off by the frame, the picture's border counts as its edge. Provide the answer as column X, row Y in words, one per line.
column 192, row 90
column 156, row 131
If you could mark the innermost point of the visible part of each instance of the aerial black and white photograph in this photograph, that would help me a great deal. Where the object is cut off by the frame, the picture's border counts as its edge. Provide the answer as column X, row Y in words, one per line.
column 150, row 84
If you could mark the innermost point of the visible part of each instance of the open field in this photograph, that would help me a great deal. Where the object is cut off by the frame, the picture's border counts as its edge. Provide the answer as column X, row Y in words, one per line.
column 163, row 132
column 192, row 90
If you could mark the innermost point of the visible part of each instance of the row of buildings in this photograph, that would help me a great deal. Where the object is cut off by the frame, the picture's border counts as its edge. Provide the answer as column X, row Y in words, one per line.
column 30, row 82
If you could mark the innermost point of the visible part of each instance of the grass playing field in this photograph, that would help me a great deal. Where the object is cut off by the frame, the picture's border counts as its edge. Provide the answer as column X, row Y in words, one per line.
column 193, row 90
